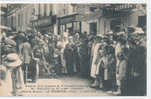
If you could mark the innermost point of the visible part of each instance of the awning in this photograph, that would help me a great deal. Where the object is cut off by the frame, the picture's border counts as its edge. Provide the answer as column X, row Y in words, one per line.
column 79, row 17
column 91, row 16
column 45, row 21
column 67, row 19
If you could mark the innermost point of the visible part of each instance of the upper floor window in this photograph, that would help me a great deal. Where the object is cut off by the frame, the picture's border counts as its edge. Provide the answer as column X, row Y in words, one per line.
column 74, row 9
column 50, row 9
column 93, row 9
column 19, row 20
column 33, row 11
column 64, row 10
column 45, row 9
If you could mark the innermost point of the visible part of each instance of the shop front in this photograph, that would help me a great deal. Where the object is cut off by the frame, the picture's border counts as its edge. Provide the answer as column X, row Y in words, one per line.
column 70, row 23
column 45, row 24
column 91, row 22
column 116, row 20
column 120, row 16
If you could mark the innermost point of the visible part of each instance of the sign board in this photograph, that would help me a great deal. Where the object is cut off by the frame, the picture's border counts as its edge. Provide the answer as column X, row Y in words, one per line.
column 46, row 21
column 67, row 19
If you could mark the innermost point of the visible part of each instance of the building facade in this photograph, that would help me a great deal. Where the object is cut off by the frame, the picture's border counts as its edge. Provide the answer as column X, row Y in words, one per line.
column 124, row 15
column 22, row 16
column 99, row 19
column 66, row 18
column 94, row 19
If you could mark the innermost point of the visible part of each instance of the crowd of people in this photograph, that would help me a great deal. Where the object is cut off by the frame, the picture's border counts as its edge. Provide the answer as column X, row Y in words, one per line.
column 115, row 61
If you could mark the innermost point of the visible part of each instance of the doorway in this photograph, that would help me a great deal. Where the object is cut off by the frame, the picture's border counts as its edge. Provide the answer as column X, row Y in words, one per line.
column 116, row 25
column 93, row 28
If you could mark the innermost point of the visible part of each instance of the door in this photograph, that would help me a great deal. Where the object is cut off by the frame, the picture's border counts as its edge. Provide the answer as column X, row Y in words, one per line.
column 116, row 25
column 93, row 28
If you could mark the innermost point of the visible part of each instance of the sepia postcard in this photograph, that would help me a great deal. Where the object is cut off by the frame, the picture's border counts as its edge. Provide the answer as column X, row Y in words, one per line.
column 73, row 49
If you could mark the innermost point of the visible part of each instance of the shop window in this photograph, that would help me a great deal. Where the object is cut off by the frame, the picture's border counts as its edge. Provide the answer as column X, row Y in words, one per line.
column 93, row 28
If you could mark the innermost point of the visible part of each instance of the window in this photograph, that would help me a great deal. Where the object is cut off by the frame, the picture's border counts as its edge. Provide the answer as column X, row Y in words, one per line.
column 22, row 19
column 141, row 21
column 50, row 10
column 11, row 21
column 45, row 9
column 64, row 10
column 15, row 22
column 19, row 20
column 93, row 9
column 74, row 9
column 33, row 11
column 39, row 11
column 93, row 28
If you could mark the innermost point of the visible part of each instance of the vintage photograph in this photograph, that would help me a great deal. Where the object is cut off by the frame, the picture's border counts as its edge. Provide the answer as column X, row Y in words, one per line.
column 69, row 49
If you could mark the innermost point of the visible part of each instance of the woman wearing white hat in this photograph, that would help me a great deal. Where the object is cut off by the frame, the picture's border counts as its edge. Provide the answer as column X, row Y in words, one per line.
column 14, row 74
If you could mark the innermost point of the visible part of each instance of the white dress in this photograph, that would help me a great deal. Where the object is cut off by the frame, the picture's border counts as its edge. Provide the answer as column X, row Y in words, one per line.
column 11, row 84
column 94, row 54
column 5, row 84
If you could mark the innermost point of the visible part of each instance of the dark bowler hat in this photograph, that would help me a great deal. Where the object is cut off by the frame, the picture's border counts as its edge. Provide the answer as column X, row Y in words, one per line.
column 131, row 29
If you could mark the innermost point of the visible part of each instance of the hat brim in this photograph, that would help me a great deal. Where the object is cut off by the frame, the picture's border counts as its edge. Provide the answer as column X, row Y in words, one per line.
column 14, row 64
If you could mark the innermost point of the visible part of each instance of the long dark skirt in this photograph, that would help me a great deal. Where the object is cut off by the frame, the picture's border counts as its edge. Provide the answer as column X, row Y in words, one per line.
column 30, row 71
column 69, row 61
column 84, row 66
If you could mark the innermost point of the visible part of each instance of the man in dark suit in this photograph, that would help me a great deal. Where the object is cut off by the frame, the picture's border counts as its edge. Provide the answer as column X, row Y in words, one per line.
column 136, row 67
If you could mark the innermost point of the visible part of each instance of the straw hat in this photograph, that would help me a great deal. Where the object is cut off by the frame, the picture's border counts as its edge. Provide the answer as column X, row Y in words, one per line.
column 13, row 60
column 138, row 31
column 120, row 33
column 109, row 33
column 10, row 42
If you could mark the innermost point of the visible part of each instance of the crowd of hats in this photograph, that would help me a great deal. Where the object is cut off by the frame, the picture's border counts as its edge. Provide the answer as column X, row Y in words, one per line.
column 131, row 33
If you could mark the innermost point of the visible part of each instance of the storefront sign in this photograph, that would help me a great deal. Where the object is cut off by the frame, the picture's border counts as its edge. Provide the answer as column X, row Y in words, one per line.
column 67, row 19
column 46, row 21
